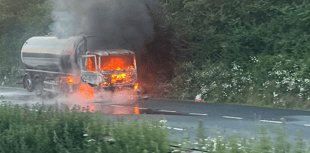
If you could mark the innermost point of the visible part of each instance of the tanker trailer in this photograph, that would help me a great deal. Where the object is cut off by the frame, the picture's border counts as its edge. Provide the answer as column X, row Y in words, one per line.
column 52, row 65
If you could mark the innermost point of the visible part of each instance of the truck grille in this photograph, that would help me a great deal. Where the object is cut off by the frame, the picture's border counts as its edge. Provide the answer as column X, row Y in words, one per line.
column 122, row 78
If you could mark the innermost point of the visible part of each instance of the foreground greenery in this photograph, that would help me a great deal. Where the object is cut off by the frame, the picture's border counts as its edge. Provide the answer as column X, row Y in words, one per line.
column 25, row 129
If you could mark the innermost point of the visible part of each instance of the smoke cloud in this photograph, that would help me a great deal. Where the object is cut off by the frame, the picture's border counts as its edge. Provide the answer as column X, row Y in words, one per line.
column 119, row 23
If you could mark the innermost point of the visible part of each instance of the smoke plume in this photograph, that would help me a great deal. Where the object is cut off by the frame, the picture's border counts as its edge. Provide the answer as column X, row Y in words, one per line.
column 120, row 23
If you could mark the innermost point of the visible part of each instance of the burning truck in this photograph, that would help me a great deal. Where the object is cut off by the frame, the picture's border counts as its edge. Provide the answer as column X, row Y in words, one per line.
column 52, row 65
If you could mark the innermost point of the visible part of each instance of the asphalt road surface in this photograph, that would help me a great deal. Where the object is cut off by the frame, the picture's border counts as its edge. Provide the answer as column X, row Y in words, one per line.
column 183, row 117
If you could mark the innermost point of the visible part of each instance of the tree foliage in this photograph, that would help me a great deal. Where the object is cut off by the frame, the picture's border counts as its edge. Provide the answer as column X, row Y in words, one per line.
column 19, row 20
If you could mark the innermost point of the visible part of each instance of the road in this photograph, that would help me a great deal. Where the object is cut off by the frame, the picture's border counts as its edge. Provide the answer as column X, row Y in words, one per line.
column 183, row 117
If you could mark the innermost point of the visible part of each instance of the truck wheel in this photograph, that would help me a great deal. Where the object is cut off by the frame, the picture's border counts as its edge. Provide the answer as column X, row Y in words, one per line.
column 28, row 83
column 50, row 95
column 38, row 86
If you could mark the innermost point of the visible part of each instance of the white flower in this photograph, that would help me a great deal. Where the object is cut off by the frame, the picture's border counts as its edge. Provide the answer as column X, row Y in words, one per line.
column 163, row 121
column 274, row 94
column 85, row 135
column 90, row 140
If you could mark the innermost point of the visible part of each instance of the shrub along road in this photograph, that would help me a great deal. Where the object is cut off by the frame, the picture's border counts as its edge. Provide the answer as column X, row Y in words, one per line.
column 183, row 117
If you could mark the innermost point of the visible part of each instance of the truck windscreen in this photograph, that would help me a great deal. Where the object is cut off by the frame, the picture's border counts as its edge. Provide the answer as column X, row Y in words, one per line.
column 116, row 63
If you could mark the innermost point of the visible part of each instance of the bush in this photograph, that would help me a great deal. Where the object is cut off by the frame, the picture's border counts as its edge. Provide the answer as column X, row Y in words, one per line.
column 277, row 87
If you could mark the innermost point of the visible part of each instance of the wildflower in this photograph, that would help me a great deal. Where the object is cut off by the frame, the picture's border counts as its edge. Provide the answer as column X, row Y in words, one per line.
column 91, row 140
column 85, row 135
column 302, row 89
column 163, row 121
column 274, row 94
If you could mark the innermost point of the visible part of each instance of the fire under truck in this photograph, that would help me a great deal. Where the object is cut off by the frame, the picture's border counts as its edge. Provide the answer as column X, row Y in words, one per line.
column 52, row 65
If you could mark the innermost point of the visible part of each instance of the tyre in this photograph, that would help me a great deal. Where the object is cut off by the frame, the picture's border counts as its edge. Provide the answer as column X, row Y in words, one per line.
column 38, row 86
column 28, row 83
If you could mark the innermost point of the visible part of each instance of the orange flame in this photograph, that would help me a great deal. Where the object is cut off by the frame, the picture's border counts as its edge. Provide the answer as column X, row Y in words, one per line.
column 90, row 65
column 136, row 110
column 136, row 86
column 125, row 77
column 86, row 91
column 117, row 77
column 110, row 63
column 116, row 63
column 70, row 80
column 104, row 83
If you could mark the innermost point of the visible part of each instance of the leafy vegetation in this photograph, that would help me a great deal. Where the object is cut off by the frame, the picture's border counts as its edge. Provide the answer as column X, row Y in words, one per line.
column 246, row 52
column 25, row 130
column 19, row 20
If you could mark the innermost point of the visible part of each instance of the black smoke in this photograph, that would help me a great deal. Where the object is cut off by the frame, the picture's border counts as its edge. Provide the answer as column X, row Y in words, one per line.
column 119, row 23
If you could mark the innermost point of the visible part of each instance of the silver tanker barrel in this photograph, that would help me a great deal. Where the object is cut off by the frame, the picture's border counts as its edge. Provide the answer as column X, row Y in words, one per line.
column 48, row 53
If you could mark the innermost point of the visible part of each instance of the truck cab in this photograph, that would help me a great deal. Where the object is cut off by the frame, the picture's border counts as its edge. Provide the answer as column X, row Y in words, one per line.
column 109, row 69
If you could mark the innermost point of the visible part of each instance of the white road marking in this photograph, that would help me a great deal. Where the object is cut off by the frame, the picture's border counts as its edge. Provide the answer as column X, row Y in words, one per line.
column 167, row 111
column 198, row 114
column 238, row 118
column 306, row 124
column 179, row 129
column 117, row 105
column 271, row 121
column 143, row 108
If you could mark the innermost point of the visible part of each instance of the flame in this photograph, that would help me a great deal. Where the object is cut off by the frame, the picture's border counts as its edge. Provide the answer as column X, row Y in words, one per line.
column 104, row 83
column 136, row 110
column 86, row 91
column 70, row 80
column 130, row 68
column 116, row 63
column 125, row 77
column 136, row 86
column 111, row 63
column 90, row 66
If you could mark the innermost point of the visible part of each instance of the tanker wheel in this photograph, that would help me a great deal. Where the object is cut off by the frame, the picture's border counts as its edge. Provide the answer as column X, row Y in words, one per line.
column 50, row 95
column 38, row 87
column 28, row 83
